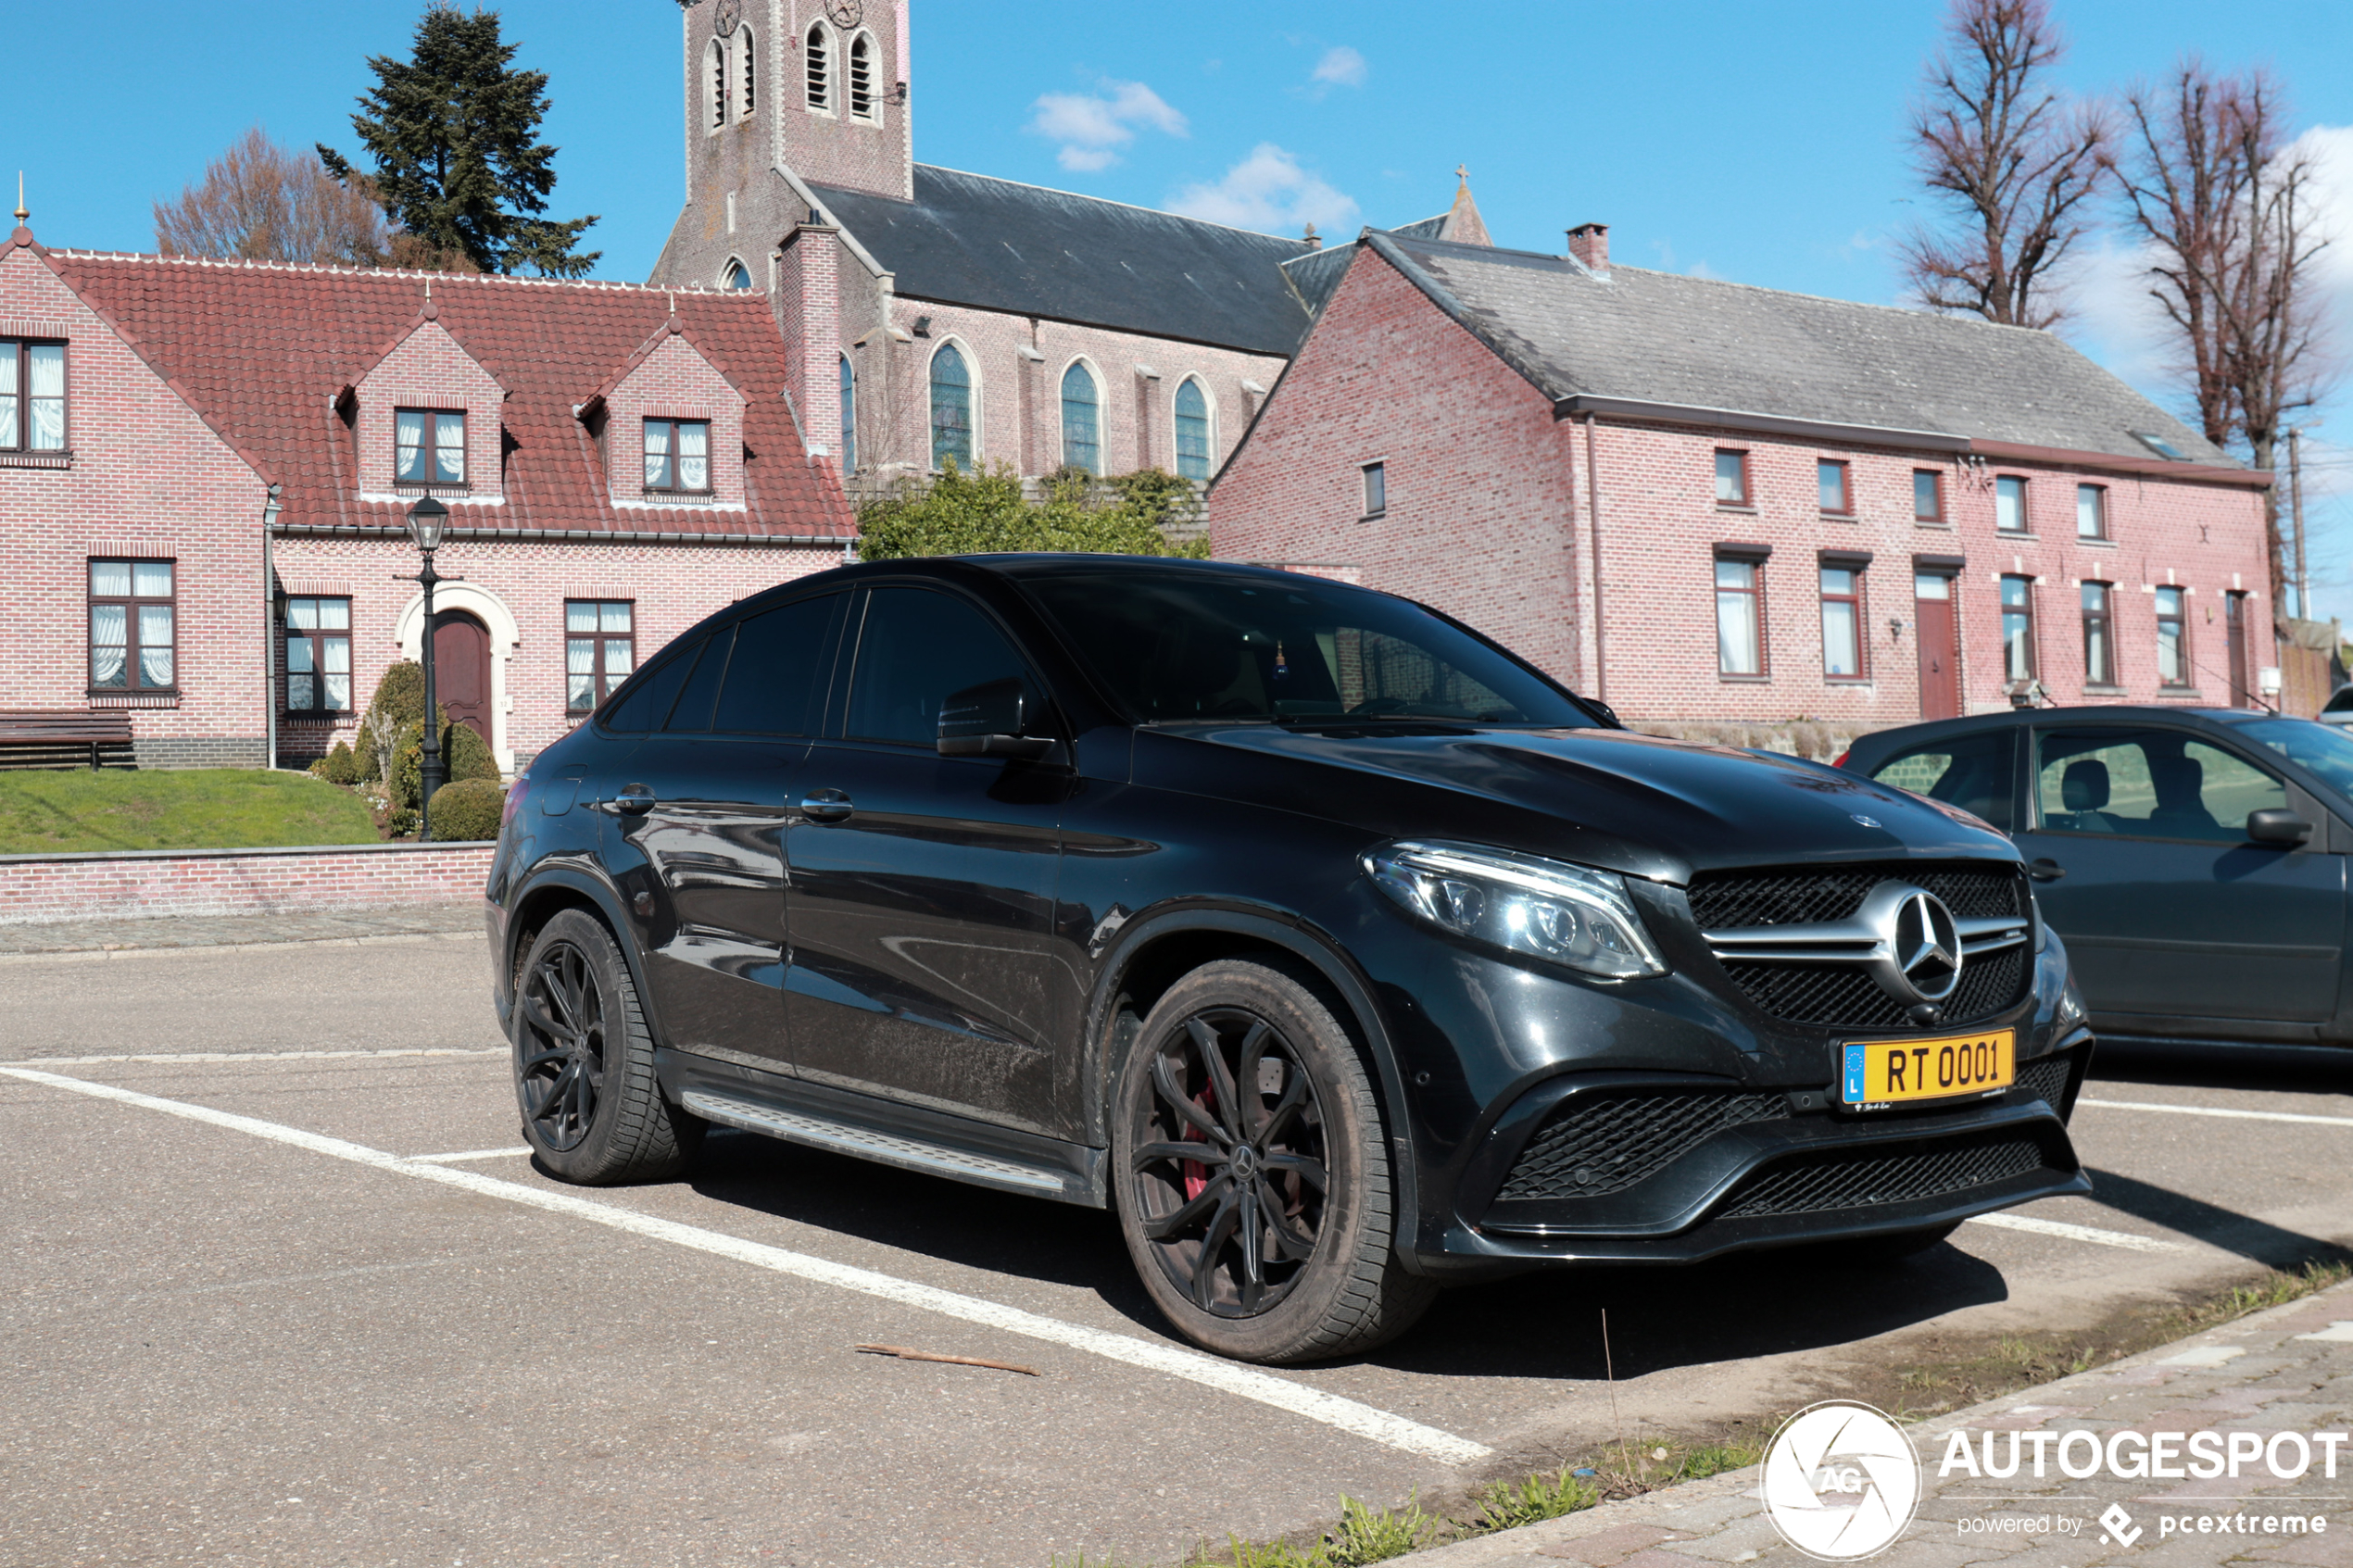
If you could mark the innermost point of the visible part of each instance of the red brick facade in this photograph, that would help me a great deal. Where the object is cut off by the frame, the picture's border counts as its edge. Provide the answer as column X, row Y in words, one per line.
column 1498, row 511
column 229, row 881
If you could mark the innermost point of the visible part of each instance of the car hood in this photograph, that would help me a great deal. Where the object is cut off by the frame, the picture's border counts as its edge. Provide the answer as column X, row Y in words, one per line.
column 1650, row 807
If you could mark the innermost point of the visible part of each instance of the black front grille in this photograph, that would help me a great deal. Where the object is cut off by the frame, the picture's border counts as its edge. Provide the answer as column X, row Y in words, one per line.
column 2046, row 1080
column 1726, row 901
column 1846, row 997
column 1599, row 1144
column 1866, row 1178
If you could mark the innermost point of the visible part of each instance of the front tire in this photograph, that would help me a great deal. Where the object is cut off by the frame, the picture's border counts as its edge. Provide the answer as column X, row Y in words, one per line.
column 1251, row 1173
column 584, row 1064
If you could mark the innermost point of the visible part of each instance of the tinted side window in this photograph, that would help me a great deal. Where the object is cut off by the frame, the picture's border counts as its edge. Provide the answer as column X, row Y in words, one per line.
column 645, row 703
column 2148, row 784
column 1974, row 771
column 701, row 690
column 777, row 677
column 917, row 647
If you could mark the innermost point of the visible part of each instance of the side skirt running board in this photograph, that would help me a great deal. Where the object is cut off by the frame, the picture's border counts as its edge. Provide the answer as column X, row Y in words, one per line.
column 883, row 1131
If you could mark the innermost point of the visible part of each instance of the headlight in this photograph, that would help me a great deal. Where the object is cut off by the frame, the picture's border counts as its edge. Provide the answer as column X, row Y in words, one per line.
column 1561, row 913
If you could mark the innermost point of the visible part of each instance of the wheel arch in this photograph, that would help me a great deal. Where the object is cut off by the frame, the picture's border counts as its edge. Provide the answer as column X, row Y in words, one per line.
column 1158, row 950
column 544, row 897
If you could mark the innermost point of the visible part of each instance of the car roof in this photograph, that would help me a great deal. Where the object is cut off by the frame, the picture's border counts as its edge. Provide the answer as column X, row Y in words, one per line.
column 1879, row 742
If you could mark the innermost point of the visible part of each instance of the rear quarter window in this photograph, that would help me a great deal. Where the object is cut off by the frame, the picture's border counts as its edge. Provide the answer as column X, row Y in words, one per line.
column 1976, row 773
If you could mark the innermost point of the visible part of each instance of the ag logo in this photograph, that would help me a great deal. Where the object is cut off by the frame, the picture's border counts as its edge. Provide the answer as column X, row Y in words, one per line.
column 1841, row 1481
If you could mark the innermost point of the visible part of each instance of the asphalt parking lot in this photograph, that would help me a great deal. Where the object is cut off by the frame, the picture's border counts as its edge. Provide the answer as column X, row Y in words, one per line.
column 284, row 1290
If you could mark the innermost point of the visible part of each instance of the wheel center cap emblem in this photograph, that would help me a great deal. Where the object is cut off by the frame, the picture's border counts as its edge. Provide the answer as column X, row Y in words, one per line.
column 1245, row 1161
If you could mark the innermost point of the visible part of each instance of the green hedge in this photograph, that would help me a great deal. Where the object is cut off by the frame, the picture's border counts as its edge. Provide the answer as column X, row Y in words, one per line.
column 469, row 809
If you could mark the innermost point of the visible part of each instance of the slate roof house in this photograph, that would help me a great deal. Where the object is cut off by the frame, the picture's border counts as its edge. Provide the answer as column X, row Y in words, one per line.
column 1706, row 502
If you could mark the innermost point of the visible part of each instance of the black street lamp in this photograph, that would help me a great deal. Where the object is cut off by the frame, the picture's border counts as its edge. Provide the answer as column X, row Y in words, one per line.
column 427, row 519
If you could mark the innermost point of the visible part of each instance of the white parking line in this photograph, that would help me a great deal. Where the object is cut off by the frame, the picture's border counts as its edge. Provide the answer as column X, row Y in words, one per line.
column 248, row 1055
column 1249, row 1383
column 470, row 1154
column 2217, row 1111
column 2125, row 1239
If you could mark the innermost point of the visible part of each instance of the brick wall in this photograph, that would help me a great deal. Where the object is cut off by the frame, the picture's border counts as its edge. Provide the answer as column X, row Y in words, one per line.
column 675, row 381
column 1491, row 518
column 39, row 888
column 148, row 478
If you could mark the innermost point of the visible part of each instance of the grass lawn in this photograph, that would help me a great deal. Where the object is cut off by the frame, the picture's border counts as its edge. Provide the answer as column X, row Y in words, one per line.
column 69, row 811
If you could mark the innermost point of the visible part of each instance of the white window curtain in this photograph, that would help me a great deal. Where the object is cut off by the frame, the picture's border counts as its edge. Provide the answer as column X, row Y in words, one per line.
column 694, row 456
column 8, row 400
column 154, row 644
column 409, row 445
column 47, row 402
column 579, row 668
column 109, row 636
column 1736, row 631
column 657, row 454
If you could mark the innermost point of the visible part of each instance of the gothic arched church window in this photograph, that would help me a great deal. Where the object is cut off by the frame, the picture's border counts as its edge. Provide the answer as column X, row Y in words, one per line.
column 820, row 68
column 1194, row 450
column 952, row 409
column 748, row 72
column 1082, row 419
column 739, row 277
column 861, row 76
column 849, row 417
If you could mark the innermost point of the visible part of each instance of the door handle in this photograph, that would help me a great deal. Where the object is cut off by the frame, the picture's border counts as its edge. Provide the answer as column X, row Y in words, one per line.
column 634, row 800
column 2045, row 870
column 825, row 805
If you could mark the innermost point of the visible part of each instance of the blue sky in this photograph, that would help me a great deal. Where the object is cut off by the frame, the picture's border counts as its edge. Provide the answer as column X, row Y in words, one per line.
column 1758, row 143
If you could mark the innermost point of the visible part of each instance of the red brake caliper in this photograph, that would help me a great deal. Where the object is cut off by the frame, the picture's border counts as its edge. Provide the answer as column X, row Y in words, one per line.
column 1197, row 1173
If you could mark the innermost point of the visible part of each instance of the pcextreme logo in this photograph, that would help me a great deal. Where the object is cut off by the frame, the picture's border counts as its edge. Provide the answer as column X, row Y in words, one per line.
column 1841, row 1481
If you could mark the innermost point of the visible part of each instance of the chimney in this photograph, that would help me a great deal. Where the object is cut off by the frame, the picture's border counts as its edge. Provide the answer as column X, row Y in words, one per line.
column 1590, row 244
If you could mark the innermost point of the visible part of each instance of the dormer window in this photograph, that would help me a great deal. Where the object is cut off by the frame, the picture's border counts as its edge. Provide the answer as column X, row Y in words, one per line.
column 428, row 446
column 678, row 455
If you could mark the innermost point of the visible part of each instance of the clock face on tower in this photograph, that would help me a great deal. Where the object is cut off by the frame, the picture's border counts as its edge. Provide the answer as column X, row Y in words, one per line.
column 727, row 16
column 846, row 13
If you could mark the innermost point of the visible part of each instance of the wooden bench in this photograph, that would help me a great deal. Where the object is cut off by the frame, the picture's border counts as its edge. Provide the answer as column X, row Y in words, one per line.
column 52, row 730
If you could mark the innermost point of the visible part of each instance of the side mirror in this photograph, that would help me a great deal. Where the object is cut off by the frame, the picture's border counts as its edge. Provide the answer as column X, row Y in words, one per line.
column 989, row 721
column 2277, row 825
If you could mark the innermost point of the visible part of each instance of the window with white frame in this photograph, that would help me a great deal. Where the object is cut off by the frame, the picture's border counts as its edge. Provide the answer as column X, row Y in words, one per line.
column 428, row 446
column 1740, row 617
column 2010, row 504
column 1082, row 421
column 2091, row 511
column 33, row 396
column 1376, row 488
column 678, row 455
column 1195, row 449
column 134, row 626
column 317, row 655
column 601, row 650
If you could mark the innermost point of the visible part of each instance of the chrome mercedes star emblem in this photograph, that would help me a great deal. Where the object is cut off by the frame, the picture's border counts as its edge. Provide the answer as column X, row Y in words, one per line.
column 1867, row 822
column 1926, row 945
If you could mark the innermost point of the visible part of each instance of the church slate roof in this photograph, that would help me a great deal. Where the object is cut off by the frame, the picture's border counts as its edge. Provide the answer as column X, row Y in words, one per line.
column 261, row 352
column 1702, row 343
column 1025, row 250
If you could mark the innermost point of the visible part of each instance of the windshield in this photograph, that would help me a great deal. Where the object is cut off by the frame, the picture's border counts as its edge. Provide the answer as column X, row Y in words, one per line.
column 2325, row 750
column 1175, row 648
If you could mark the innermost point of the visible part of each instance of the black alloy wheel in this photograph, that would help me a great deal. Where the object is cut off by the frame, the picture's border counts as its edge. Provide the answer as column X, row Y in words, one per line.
column 1229, row 1164
column 1251, row 1172
column 583, row 1062
column 560, row 1062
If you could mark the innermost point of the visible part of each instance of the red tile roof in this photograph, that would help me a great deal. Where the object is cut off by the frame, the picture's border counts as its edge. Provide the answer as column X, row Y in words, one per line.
column 262, row 351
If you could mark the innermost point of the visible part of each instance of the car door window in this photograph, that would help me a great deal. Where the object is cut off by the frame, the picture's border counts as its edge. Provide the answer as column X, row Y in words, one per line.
column 776, row 681
column 646, row 702
column 915, row 648
column 2148, row 784
column 1974, row 771
column 701, row 691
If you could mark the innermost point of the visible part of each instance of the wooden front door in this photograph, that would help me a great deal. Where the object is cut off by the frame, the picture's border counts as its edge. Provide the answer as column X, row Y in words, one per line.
column 1940, row 645
column 462, row 670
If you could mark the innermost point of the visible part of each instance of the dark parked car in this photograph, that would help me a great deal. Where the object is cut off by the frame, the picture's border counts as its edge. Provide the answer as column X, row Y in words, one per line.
column 1338, row 950
column 2194, row 859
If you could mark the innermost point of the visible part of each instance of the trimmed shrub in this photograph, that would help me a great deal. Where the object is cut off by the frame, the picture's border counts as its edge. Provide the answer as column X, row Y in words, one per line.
column 463, row 753
column 963, row 514
column 469, row 809
column 397, row 707
column 339, row 766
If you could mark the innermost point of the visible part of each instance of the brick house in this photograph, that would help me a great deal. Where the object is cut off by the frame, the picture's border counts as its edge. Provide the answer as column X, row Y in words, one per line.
column 934, row 314
column 1707, row 502
column 205, row 513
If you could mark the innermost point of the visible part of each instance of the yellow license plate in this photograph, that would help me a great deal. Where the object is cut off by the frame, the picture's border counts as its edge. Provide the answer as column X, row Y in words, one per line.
column 1876, row 1073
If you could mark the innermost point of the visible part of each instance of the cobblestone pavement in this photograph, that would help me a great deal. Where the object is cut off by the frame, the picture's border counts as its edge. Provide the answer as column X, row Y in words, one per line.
column 2289, row 1370
column 52, row 938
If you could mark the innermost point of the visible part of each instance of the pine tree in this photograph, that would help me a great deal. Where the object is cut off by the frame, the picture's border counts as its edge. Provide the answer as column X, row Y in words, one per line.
column 454, row 132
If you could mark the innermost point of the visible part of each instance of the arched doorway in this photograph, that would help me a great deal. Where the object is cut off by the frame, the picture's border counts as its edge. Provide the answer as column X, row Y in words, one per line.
column 462, row 670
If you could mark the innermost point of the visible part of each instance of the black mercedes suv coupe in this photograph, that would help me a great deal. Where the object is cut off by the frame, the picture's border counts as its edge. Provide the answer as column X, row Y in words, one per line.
column 1339, row 951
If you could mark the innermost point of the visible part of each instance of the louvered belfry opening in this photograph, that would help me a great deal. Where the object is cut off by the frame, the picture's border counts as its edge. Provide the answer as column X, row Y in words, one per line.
column 751, row 73
column 862, row 88
column 820, row 71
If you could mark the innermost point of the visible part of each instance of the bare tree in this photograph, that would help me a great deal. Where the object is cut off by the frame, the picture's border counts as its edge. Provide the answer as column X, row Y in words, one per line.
column 2013, row 160
column 259, row 202
column 2227, row 205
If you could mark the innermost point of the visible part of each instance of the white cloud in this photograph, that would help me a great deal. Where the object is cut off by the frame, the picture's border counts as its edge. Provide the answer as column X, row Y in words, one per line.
column 1341, row 67
column 1267, row 191
column 1094, row 127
